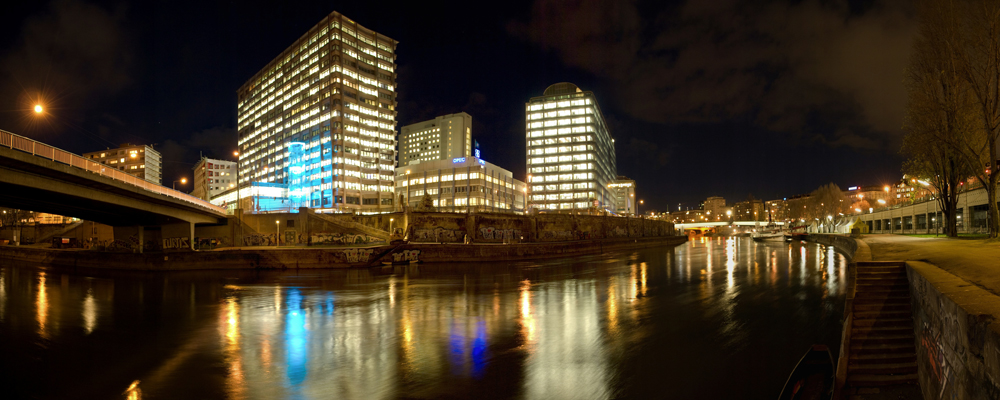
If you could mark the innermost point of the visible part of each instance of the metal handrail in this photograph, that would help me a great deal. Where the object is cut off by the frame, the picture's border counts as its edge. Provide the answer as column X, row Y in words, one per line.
column 36, row 148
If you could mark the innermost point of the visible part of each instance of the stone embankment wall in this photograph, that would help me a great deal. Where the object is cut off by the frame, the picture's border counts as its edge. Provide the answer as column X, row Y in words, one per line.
column 309, row 229
column 343, row 257
column 846, row 244
column 509, row 228
column 958, row 337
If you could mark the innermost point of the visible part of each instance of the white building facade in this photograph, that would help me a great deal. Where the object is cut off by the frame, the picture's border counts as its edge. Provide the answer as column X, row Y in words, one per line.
column 571, row 156
column 443, row 138
column 213, row 177
column 460, row 185
column 320, row 119
column 625, row 192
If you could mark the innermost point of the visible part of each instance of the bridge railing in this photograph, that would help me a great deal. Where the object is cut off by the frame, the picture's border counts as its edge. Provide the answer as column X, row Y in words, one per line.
column 18, row 142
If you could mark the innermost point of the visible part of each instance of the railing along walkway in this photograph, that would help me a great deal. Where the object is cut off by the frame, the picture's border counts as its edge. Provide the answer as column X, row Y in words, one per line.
column 18, row 142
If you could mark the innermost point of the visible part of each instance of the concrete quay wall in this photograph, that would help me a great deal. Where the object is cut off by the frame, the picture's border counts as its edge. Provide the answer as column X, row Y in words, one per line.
column 846, row 244
column 343, row 257
column 307, row 228
column 957, row 335
column 955, row 326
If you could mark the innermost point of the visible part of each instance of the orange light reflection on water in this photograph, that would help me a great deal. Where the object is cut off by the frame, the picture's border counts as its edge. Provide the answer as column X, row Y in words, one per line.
column 42, row 307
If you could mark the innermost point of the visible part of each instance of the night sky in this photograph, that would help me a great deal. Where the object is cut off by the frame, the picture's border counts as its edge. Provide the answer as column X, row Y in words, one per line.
column 704, row 98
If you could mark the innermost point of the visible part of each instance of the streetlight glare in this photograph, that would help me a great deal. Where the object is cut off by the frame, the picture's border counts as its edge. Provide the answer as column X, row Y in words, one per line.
column 38, row 109
column 184, row 180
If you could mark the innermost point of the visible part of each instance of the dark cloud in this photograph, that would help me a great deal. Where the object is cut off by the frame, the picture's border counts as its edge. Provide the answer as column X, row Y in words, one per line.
column 179, row 156
column 649, row 152
column 75, row 49
column 790, row 67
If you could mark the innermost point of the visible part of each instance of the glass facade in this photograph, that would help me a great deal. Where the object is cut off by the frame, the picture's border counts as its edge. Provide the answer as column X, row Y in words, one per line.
column 329, row 102
column 571, row 156
column 461, row 184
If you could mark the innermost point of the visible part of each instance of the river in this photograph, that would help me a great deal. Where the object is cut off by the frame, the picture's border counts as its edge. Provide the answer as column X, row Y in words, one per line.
column 713, row 318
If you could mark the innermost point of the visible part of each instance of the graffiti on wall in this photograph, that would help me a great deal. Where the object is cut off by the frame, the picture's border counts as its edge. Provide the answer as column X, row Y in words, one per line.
column 617, row 232
column 559, row 235
column 342, row 238
column 358, row 255
column 211, row 243
column 176, row 243
column 940, row 370
column 257, row 239
column 437, row 234
column 406, row 255
column 940, row 337
column 119, row 245
column 491, row 233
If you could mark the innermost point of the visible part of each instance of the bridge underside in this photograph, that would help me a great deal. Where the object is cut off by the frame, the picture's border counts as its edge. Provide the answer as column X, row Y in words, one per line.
column 33, row 183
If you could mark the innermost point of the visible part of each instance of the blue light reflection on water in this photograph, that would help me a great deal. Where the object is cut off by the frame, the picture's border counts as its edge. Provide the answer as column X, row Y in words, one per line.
column 624, row 325
column 296, row 338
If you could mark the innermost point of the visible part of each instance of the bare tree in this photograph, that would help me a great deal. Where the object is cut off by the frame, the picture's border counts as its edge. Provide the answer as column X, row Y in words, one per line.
column 941, row 115
column 970, row 32
column 827, row 202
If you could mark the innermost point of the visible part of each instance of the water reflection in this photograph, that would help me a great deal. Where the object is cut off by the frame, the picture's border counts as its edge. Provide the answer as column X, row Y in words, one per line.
column 42, row 307
column 89, row 311
column 3, row 293
column 621, row 326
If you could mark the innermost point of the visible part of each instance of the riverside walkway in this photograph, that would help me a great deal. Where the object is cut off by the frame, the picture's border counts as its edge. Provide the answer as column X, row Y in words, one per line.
column 974, row 260
column 956, row 306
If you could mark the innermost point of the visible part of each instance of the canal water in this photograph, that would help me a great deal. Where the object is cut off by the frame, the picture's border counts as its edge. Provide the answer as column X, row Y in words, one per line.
column 711, row 319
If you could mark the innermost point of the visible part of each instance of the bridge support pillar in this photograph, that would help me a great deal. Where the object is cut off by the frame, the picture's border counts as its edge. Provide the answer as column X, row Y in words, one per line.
column 191, row 235
column 140, row 231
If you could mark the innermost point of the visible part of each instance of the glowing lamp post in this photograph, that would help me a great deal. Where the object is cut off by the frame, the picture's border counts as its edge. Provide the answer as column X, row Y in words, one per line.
column 182, row 181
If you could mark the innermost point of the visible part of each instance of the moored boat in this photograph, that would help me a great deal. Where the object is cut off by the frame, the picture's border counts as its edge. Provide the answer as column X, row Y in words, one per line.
column 813, row 376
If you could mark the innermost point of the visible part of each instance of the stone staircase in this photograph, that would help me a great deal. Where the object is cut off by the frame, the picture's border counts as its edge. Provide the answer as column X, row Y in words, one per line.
column 882, row 350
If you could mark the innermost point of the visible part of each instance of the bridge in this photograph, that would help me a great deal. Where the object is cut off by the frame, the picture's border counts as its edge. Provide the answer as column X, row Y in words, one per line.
column 706, row 224
column 38, row 177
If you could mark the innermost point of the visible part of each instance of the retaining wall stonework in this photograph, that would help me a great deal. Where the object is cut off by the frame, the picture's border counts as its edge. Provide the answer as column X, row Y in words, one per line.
column 958, row 338
column 343, row 257
column 508, row 228
column 846, row 244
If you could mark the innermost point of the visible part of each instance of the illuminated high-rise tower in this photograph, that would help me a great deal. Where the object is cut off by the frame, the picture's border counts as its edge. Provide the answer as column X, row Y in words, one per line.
column 319, row 121
column 571, row 156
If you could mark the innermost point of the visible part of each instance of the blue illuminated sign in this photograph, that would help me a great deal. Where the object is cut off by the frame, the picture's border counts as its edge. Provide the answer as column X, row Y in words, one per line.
column 477, row 153
column 481, row 162
column 458, row 160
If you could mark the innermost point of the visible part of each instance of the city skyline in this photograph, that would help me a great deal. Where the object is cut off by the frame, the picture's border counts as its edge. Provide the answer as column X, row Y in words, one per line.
column 175, row 88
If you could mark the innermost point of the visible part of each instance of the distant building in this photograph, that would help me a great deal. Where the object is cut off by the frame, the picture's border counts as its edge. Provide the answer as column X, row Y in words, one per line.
column 571, row 156
column 688, row 216
column 46, row 218
column 136, row 159
column 625, row 192
column 443, row 138
column 749, row 210
column 320, row 118
column 460, row 185
column 212, row 177
column 715, row 209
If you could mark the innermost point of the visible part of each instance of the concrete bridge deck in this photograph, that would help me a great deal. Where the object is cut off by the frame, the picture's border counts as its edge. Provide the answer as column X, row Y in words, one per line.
column 38, row 177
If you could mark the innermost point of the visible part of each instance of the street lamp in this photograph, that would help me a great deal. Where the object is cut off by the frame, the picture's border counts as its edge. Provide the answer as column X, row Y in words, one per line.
column 38, row 109
column 277, row 227
column 637, row 207
column 182, row 181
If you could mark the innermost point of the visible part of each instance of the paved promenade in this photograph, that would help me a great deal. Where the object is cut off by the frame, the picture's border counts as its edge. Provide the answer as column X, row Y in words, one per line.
column 974, row 260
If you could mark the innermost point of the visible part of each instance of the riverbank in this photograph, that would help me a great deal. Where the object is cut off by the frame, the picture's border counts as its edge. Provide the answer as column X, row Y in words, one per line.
column 955, row 298
column 317, row 257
